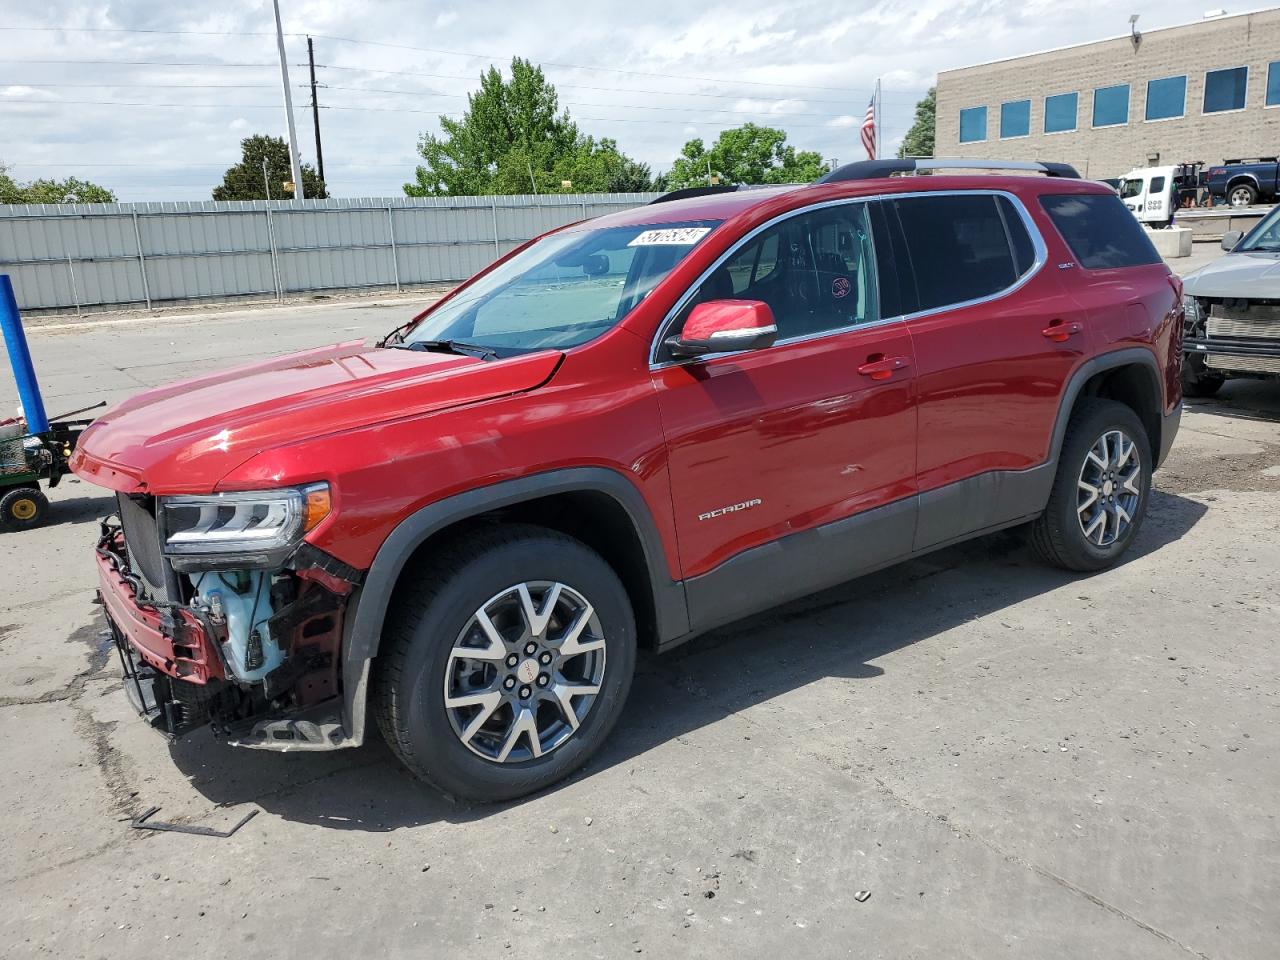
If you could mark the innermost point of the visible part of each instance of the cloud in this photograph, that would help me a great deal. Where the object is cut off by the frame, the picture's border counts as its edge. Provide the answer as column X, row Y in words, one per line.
column 675, row 71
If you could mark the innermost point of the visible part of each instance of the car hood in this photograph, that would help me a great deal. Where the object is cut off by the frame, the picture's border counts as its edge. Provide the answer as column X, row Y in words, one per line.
column 185, row 437
column 1237, row 275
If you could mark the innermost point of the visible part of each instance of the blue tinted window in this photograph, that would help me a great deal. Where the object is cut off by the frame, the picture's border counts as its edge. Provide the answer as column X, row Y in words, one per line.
column 973, row 124
column 1225, row 89
column 1273, row 84
column 1060, row 112
column 1015, row 118
column 1111, row 105
column 1166, row 98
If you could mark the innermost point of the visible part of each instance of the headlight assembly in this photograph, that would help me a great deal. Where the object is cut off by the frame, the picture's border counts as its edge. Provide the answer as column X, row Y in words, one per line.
column 1193, row 316
column 251, row 530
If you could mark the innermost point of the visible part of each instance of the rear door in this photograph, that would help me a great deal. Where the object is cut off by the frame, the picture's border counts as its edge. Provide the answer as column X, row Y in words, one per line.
column 781, row 447
column 996, row 339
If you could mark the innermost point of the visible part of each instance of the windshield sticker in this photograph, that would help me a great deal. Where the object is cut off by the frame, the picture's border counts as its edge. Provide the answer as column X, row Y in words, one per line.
column 672, row 236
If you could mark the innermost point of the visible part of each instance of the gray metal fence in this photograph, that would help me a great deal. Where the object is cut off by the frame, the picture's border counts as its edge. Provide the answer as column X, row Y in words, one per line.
column 98, row 256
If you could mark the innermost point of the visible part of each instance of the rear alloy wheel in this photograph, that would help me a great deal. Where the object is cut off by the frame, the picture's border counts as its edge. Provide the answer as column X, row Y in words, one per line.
column 23, row 508
column 1100, row 492
column 505, row 663
column 1242, row 195
column 1109, row 488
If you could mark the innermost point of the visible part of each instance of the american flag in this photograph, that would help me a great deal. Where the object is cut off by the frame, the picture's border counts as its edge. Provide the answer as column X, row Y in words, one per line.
column 869, row 129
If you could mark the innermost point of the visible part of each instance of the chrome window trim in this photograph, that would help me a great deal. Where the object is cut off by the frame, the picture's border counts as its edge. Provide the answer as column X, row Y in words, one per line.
column 1037, row 240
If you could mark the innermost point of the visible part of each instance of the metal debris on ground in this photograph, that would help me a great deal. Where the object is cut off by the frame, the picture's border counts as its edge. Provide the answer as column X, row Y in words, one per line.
column 144, row 822
column 862, row 896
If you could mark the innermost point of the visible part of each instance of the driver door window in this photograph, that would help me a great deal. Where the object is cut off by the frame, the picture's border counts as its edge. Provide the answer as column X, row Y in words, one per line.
column 816, row 271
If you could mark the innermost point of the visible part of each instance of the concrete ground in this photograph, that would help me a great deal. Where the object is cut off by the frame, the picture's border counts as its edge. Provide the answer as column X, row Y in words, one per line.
column 1006, row 760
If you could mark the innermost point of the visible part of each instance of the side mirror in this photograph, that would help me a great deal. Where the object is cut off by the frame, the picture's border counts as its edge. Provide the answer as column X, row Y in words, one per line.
column 1230, row 239
column 725, row 326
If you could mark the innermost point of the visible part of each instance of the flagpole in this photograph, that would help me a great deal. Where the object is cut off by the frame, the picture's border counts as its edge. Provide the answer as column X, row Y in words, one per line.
column 879, row 125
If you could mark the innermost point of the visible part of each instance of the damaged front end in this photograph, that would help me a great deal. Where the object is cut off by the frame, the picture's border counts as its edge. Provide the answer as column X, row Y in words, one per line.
column 223, row 616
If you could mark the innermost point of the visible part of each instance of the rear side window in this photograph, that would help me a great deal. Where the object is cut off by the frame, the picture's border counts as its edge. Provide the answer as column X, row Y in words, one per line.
column 1100, row 231
column 963, row 246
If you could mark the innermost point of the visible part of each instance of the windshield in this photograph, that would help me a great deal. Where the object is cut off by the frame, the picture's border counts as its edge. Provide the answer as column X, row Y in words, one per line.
column 1130, row 188
column 1265, row 237
column 563, row 290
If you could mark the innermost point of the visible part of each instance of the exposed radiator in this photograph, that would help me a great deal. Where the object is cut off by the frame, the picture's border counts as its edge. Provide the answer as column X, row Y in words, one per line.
column 1231, row 327
column 1260, row 321
column 1245, row 364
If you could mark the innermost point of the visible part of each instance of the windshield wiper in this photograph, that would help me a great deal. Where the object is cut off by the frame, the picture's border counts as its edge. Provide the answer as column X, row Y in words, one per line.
column 460, row 347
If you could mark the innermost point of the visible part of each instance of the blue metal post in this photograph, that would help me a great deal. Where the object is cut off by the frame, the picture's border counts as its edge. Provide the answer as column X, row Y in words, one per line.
column 15, row 340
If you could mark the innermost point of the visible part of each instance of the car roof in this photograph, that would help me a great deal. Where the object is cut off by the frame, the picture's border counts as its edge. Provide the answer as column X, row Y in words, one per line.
column 729, row 204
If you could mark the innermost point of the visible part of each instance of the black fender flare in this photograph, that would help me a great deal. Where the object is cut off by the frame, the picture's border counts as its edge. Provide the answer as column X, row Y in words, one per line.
column 1115, row 359
column 366, row 612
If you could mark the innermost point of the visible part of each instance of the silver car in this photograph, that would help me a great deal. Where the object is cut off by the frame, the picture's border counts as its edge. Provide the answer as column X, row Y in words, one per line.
column 1233, row 312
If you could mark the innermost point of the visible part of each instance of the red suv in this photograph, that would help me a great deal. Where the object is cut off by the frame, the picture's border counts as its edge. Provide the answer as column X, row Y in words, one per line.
column 629, row 431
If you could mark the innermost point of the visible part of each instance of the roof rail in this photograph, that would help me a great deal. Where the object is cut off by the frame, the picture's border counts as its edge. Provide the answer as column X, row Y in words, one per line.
column 686, row 192
column 876, row 169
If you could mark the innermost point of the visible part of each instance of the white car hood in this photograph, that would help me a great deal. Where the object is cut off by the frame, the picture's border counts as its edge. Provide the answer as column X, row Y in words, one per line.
column 1249, row 275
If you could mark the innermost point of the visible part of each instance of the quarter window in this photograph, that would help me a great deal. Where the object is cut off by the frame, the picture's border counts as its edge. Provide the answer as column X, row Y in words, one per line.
column 1111, row 106
column 1060, row 112
column 973, row 124
column 1100, row 231
column 1015, row 119
column 1166, row 98
column 1273, row 84
column 1225, row 89
column 963, row 247
column 815, row 271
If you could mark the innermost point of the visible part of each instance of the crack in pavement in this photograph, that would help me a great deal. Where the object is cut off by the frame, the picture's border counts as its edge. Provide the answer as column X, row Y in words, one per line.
column 957, row 831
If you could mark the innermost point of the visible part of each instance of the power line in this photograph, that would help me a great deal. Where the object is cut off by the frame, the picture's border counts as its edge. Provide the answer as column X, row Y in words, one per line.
column 141, row 63
column 367, row 109
column 579, row 66
column 437, row 50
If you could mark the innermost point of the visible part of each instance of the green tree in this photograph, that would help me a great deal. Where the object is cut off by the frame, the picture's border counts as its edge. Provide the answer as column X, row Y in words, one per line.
column 514, row 138
column 70, row 190
column 745, row 154
column 244, row 181
column 919, row 139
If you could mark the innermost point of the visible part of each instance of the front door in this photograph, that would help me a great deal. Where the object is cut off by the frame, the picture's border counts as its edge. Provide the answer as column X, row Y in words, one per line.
column 792, row 467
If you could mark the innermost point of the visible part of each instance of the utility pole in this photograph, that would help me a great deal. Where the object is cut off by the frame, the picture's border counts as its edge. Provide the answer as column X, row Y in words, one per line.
column 266, row 181
column 315, row 106
column 294, row 165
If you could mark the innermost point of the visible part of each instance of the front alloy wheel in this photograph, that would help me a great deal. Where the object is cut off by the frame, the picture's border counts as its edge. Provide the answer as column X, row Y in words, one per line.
column 524, row 672
column 505, row 661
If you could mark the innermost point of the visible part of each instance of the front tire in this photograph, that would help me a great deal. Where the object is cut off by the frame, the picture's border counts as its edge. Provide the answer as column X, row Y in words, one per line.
column 506, row 662
column 1197, row 380
column 1101, row 489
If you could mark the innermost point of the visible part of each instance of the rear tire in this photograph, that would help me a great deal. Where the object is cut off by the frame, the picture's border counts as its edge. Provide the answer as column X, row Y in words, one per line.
column 447, row 697
column 1100, row 492
column 23, row 508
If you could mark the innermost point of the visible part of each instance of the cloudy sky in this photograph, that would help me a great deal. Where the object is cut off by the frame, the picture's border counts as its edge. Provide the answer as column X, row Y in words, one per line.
column 152, row 97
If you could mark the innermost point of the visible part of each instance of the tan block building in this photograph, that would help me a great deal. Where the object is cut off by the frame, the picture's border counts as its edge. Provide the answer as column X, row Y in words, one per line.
column 1208, row 90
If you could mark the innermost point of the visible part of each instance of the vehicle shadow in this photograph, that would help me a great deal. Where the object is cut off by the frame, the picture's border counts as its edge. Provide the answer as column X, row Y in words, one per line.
column 833, row 634
column 1242, row 400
